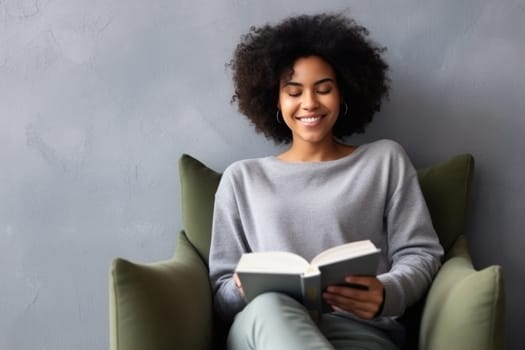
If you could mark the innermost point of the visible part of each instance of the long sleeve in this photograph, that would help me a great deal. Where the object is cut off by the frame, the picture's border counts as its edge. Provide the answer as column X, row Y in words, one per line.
column 413, row 246
column 227, row 246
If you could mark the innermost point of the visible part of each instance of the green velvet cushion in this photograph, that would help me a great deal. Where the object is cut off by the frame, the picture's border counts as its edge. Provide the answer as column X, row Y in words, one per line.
column 464, row 308
column 198, row 184
column 446, row 188
column 163, row 305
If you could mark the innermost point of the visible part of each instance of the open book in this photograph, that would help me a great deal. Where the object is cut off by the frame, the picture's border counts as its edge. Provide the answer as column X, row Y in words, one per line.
column 289, row 273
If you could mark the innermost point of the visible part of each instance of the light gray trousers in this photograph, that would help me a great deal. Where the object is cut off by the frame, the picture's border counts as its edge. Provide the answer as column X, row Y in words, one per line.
column 275, row 321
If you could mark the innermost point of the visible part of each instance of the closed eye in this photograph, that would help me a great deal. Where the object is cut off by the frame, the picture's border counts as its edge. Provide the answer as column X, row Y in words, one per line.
column 294, row 92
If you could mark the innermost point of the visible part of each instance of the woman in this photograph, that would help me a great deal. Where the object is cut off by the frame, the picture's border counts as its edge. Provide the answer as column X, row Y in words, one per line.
column 309, row 82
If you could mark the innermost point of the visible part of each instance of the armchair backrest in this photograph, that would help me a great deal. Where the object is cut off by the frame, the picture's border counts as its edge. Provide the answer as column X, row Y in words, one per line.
column 198, row 184
column 446, row 188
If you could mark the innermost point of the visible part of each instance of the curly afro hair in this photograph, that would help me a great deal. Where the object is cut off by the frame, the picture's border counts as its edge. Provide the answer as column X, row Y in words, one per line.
column 267, row 52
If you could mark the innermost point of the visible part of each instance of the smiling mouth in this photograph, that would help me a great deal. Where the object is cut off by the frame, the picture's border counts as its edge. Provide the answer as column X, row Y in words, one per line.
column 310, row 120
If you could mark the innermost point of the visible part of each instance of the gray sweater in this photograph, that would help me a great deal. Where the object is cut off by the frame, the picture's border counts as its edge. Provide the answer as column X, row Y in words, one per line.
column 267, row 204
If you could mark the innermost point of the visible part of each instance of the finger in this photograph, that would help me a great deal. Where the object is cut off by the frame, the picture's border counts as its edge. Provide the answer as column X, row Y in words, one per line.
column 354, row 299
column 374, row 288
column 337, row 308
column 238, row 284
column 360, row 309
column 367, row 282
column 357, row 294
column 237, row 280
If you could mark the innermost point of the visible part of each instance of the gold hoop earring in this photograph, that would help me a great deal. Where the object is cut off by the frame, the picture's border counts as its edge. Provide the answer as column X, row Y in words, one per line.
column 277, row 117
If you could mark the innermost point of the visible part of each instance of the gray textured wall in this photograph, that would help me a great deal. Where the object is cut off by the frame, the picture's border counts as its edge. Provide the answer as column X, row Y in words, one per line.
column 99, row 98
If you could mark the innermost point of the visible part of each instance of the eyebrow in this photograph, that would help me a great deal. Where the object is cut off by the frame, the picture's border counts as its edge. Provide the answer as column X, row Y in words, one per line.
column 293, row 83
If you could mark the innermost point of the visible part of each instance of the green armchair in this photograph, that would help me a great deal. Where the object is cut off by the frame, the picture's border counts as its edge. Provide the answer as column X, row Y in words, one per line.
column 168, row 305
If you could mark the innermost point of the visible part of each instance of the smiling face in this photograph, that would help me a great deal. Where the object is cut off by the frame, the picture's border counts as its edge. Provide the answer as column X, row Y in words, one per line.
column 309, row 100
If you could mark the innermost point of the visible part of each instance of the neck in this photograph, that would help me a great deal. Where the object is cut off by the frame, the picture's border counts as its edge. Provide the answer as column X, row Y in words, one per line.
column 311, row 152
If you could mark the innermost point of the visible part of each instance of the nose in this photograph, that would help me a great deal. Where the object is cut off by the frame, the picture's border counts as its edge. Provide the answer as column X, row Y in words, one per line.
column 309, row 101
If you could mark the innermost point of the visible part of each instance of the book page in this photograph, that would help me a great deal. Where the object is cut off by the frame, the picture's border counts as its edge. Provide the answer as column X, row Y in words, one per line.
column 345, row 251
column 279, row 262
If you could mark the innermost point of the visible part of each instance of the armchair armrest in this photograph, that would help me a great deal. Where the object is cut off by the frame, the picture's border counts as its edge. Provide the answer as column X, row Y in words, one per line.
column 464, row 308
column 163, row 305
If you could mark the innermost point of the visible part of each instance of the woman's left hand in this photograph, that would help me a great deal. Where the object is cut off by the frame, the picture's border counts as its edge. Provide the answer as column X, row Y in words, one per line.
column 363, row 300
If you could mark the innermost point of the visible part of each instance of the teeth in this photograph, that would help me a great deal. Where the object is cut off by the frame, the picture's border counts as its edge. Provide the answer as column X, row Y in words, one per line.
column 310, row 119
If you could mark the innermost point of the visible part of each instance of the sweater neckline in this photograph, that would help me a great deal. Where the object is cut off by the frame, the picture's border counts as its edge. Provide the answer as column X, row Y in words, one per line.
column 359, row 149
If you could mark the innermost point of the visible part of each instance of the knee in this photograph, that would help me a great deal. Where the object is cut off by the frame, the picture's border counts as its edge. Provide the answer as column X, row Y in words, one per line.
column 268, row 306
column 260, row 313
column 271, row 300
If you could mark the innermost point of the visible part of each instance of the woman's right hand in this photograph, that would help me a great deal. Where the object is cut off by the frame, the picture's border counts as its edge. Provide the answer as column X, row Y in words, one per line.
column 238, row 284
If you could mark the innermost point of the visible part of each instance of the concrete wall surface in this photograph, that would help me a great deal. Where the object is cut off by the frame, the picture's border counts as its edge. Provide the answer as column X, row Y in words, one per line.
column 98, row 99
